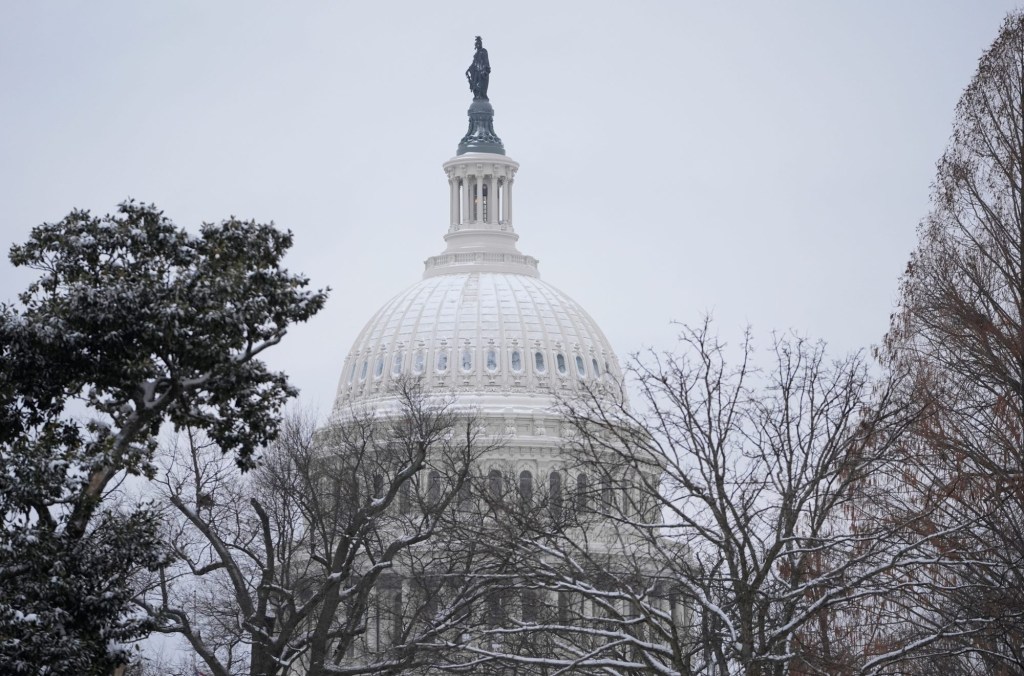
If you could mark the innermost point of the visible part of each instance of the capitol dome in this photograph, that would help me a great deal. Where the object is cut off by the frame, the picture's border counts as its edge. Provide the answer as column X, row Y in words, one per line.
column 502, row 338
column 481, row 327
column 483, row 336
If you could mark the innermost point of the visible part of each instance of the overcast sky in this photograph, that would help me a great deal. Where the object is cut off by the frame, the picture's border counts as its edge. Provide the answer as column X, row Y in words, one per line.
column 766, row 162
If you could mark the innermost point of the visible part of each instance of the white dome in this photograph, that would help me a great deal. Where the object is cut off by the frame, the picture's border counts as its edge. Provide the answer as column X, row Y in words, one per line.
column 501, row 341
column 481, row 326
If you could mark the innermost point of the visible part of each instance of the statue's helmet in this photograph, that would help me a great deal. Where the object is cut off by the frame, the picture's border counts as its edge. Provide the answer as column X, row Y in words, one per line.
column 479, row 41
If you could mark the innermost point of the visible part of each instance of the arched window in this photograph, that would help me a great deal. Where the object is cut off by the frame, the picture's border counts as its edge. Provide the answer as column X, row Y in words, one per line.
column 555, row 495
column 378, row 368
column 434, row 487
column 396, row 617
column 526, row 486
column 677, row 609
column 442, row 361
column 377, row 628
column 467, row 360
column 494, row 484
column 563, row 607
column 495, row 613
column 597, row 371
column 492, row 360
column 607, row 493
column 328, row 490
column 538, row 361
column 581, row 368
column 582, row 493
column 362, row 373
column 429, row 592
column 517, row 361
column 560, row 362
column 396, row 364
column 351, row 484
column 418, row 362
column 352, row 373
column 405, row 498
column 378, row 486
column 648, row 506
column 528, row 599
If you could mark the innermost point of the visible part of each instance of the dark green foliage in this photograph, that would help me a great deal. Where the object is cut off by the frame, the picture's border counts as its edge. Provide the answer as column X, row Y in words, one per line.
column 132, row 312
column 132, row 323
column 68, row 611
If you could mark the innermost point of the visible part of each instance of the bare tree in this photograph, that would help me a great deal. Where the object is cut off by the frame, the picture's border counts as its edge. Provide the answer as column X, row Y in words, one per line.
column 719, row 529
column 328, row 558
column 959, row 331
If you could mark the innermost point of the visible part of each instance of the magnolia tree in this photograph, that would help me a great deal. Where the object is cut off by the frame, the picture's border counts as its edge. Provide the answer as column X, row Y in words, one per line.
column 336, row 556
column 726, row 525
column 132, row 323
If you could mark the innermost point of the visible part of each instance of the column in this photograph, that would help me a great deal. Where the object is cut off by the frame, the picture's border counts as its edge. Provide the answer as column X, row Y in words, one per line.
column 508, row 201
column 503, row 199
column 485, row 216
column 479, row 205
column 492, row 200
column 453, row 199
column 484, row 196
column 467, row 198
column 497, row 200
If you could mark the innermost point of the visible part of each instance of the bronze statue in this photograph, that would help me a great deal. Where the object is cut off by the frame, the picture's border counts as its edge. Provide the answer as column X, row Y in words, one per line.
column 481, row 137
column 479, row 72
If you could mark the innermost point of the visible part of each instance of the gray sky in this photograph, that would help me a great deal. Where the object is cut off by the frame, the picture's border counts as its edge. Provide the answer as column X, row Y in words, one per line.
column 767, row 162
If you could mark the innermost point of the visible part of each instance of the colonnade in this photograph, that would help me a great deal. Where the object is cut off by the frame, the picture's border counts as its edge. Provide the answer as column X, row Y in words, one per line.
column 480, row 199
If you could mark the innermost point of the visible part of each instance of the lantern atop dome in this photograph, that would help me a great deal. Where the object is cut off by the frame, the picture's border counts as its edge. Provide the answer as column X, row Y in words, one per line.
column 480, row 235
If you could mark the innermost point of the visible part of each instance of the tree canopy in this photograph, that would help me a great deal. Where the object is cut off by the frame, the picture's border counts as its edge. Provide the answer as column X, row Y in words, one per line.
column 959, row 332
column 133, row 323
